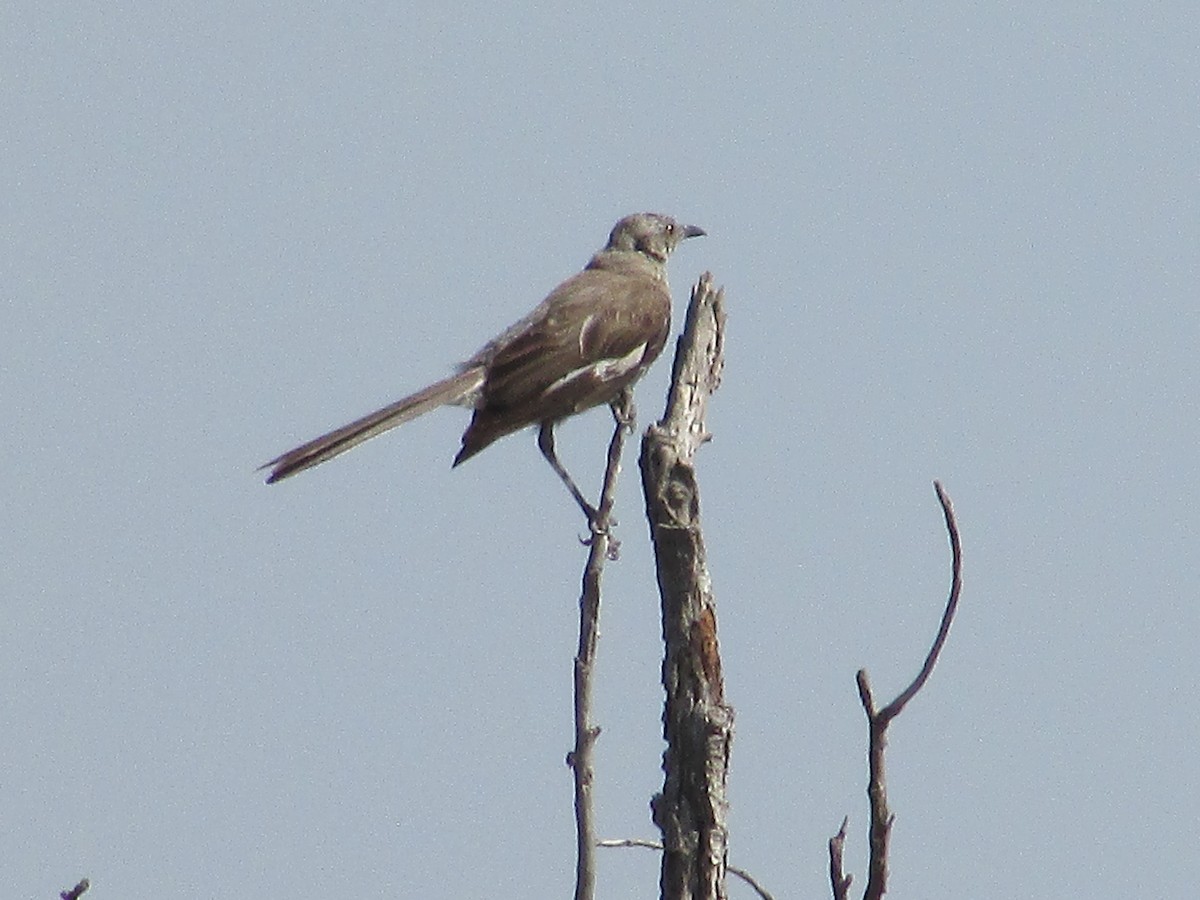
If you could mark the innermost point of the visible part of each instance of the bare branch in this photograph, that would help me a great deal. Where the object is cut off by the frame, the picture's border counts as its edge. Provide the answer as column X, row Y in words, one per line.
column 893, row 709
column 697, row 723
column 750, row 880
column 880, row 831
column 657, row 845
column 630, row 842
column 837, row 875
column 76, row 892
column 602, row 546
column 878, row 720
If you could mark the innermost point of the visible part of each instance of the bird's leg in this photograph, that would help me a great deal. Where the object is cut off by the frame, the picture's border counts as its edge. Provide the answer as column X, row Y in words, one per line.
column 623, row 410
column 546, row 445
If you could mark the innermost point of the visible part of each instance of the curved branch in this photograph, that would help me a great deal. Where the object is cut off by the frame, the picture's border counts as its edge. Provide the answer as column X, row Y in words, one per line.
column 878, row 720
column 893, row 709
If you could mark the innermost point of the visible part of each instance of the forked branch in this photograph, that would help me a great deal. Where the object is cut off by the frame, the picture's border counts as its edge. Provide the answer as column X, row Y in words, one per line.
column 878, row 721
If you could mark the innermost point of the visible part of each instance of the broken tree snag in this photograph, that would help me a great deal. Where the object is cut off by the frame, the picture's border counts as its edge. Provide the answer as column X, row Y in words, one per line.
column 837, row 874
column 697, row 723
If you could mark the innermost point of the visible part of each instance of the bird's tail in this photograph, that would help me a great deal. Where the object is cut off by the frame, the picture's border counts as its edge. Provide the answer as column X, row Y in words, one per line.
column 457, row 388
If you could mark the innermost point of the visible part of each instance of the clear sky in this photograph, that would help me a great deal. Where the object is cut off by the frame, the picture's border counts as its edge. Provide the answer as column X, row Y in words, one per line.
column 958, row 240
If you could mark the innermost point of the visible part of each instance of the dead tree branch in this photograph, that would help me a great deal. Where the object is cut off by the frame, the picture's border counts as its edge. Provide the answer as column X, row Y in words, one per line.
column 894, row 708
column 837, row 874
column 601, row 546
column 878, row 720
column 697, row 722
column 657, row 845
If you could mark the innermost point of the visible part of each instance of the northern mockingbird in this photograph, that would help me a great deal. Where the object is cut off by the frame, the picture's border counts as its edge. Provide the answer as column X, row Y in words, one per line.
column 592, row 337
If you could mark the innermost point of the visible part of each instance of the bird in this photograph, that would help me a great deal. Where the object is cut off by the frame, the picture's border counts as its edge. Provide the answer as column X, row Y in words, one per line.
column 587, row 342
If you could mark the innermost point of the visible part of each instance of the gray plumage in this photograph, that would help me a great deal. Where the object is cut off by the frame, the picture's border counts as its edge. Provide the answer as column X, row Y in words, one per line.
column 593, row 336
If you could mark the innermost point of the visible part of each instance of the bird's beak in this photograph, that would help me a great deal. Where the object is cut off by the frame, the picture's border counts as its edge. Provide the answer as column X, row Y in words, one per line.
column 693, row 231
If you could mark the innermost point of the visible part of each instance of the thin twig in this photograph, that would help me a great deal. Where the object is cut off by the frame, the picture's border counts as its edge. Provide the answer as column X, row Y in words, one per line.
column 750, row 880
column 601, row 547
column 76, row 892
column 630, row 842
column 893, row 709
column 657, row 845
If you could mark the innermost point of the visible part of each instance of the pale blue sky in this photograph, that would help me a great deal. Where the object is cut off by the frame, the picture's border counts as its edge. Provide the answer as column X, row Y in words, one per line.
column 959, row 241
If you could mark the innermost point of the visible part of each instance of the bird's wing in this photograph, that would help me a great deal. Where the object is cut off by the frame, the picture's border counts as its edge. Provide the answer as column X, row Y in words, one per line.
column 594, row 322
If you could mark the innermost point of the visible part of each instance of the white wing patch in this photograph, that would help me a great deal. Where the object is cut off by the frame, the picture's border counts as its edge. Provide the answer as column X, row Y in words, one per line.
column 602, row 369
column 585, row 333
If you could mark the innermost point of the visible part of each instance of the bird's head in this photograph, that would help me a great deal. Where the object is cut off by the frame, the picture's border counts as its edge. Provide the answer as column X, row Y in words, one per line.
column 650, row 233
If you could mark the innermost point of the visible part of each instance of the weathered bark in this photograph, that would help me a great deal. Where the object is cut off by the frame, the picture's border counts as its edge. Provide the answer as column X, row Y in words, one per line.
column 697, row 722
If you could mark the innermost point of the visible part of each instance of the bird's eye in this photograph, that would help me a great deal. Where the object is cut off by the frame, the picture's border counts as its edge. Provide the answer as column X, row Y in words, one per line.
column 671, row 228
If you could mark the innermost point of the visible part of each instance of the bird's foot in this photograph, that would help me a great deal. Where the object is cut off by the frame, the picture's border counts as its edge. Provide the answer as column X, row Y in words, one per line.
column 623, row 411
column 601, row 525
